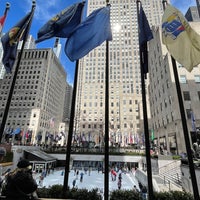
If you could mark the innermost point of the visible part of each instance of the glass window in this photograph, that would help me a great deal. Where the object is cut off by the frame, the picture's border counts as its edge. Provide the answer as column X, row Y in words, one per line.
column 197, row 78
column 186, row 96
column 183, row 79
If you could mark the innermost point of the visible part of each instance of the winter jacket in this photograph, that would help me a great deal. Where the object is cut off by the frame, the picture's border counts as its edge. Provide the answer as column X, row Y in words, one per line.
column 20, row 186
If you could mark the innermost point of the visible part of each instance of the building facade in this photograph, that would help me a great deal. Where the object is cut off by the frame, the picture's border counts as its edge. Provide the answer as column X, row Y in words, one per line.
column 125, row 98
column 30, row 44
column 164, row 104
column 192, row 14
column 37, row 103
column 68, row 102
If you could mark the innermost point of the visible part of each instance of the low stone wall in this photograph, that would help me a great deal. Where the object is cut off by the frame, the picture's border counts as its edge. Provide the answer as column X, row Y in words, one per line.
column 142, row 178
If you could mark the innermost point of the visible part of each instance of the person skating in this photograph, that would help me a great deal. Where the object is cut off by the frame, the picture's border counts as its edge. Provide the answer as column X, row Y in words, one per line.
column 81, row 177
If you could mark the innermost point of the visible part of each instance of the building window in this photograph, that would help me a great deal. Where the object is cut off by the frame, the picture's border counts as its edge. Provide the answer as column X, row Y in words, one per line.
column 197, row 78
column 188, row 113
column 186, row 96
column 183, row 79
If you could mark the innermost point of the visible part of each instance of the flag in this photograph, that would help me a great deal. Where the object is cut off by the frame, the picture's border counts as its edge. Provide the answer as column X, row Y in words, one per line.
column 182, row 42
column 193, row 121
column 11, row 39
column 62, row 24
column 92, row 32
column 52, row 122
column 152, row 135
column 145, row 35
column 2, row 20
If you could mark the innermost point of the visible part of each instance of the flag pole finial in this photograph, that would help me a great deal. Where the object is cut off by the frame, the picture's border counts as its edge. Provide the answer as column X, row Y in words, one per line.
column 7, row 5
column 33, row 4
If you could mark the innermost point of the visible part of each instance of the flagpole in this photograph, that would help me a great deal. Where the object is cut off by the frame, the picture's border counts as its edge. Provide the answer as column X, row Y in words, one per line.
column 146, row 127
column 185, row 128
column 5, row 14
column 15, row 73
column 106, row 151
column 70, row 132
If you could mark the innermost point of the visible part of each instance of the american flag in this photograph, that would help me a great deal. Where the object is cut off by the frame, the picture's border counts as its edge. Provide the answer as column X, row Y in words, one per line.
column 2, row 20
column 52, row 122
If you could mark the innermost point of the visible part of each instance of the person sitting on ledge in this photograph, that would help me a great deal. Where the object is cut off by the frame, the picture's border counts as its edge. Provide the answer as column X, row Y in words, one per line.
column 20, row 184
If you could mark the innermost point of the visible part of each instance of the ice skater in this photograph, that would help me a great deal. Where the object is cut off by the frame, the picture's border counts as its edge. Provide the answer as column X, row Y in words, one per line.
column 119, row 184
column 74, row 183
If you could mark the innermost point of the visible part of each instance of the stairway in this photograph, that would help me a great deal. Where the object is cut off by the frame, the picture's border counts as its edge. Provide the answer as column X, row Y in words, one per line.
column 171, row 173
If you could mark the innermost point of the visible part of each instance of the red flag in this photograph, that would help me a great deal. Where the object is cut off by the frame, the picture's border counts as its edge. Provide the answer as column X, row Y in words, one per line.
column 2, row 20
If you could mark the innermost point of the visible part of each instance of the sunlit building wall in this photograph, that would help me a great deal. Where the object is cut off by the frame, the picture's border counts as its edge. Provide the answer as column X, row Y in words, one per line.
column 125, row 97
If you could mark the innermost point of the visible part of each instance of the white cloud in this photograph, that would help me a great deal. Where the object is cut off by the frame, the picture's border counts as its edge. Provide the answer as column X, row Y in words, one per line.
column 45, row 10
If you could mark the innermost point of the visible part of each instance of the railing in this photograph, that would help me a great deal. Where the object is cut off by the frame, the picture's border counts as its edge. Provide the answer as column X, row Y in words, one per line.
column 171, row 173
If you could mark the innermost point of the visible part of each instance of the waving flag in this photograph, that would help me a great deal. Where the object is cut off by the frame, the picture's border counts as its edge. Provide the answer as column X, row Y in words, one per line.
column 182, row 42
column 2, row 20
column 52, row 122
column 11, row 39
column 92, row 32
column 193, row 121
column 62, row 24
column 145, row 35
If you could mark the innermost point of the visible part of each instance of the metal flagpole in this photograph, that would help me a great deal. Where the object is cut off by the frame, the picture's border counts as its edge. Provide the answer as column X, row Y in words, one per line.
column 15, row 74
column 106, row 151
column 185, row 128
column 5, row 14
column 146, row 127
column 70, row 132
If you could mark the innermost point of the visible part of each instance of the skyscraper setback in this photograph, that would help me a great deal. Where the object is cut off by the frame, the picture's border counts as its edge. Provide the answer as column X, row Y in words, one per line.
column 125, row 99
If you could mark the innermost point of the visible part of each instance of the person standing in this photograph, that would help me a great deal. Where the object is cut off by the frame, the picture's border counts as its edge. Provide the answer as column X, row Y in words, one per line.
column 81, row 177
column 74, row 183
column 119, row 183
column 2, row 153
column 20, row 183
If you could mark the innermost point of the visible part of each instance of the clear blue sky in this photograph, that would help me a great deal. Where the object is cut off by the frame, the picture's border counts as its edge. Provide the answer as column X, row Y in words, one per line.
column 45, row 10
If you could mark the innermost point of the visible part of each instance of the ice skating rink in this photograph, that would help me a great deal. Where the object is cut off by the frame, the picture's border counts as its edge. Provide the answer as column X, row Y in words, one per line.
column 94, row 180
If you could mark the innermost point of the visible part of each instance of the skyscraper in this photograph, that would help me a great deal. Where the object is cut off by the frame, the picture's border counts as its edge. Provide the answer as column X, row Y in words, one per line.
column 125, row 103
column 38, row 98
column 192, row 14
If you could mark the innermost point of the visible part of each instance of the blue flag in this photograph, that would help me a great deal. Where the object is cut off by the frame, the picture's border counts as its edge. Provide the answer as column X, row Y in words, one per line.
column 62, row 24
column 92, row 32
column 10, row 41
column 145, row 35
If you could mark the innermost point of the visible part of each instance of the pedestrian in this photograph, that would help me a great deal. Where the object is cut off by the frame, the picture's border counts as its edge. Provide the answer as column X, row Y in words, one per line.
column 41, row 179
column 20, row 184
column 119, row 184
column 136, row 189
column 74, row 183
column 2, row 153
column 144, row 192
column 81, row 177
column 77, row 173
column 90, row 169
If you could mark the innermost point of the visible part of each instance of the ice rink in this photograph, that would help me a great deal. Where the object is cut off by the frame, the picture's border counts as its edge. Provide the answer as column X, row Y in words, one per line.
column 94, row 180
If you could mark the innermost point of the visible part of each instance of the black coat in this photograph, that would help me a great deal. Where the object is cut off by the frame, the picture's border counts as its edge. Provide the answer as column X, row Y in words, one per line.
column 20, row 185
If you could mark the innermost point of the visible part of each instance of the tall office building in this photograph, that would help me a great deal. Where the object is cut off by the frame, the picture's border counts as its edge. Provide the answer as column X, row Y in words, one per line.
column 192, row 14
column 163, row 97
column 198, row 6
column 38, row 99
column 30, row 44
column 125, row 98
column 67, row 104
